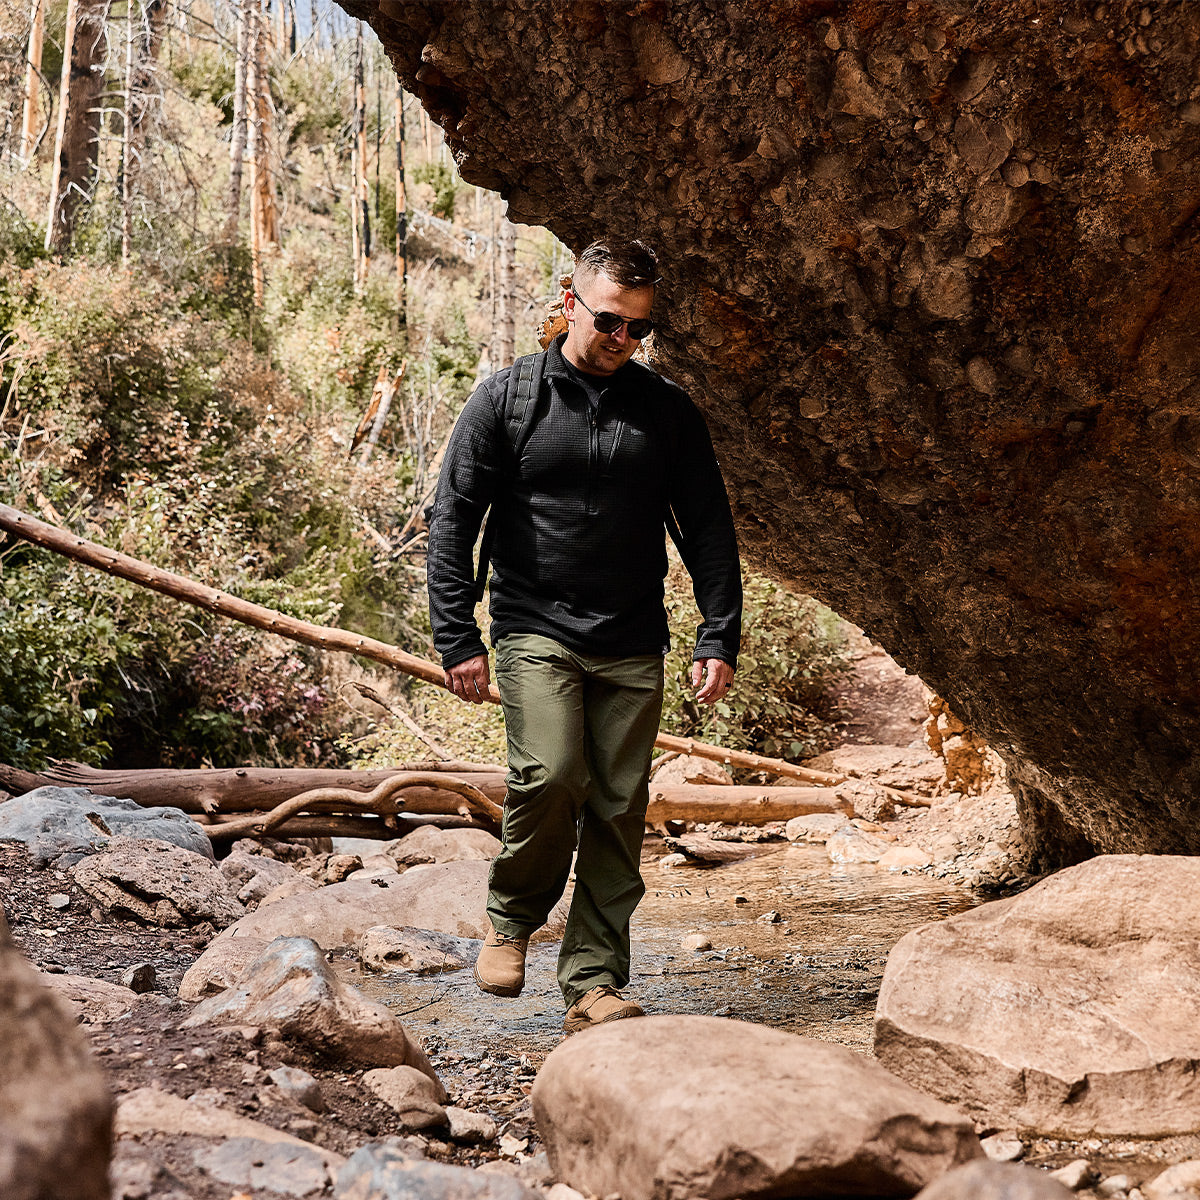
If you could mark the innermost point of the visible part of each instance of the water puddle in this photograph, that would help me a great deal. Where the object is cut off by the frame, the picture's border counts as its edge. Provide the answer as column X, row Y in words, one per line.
column 798, row 944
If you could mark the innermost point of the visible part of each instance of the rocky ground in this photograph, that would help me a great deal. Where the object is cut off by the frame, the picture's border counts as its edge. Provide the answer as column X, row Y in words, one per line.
column 827, row 991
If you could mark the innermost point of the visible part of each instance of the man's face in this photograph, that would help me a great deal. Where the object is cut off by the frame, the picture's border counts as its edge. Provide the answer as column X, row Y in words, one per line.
column 603, row 353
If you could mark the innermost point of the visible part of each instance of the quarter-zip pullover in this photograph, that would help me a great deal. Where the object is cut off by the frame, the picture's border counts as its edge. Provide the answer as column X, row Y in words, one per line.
column 579, row 550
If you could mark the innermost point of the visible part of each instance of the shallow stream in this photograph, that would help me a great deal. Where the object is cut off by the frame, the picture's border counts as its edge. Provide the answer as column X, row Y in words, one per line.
column 799, row 943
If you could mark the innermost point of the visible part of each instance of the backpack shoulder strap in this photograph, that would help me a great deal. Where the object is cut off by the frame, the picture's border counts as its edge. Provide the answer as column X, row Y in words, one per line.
column 667, row 429
column 520, row 407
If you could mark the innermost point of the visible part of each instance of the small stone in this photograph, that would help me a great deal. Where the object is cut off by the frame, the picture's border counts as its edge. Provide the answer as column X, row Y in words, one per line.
column 511, row 1146
column 300, row 1086
column 470, row 1127
column 1075, row 1175
column 58, row 900
column 1002, row 1147
column 668, row 861
column 739, row 899
column 140, row 978
column 560, row 1191
column 770, row 918
column 696, row 942
column 1114, row 1185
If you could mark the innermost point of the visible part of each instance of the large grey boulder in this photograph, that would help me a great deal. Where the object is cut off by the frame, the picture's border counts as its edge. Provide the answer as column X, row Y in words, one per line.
column 429, row 844
column 984, row 1180
column 64, row 824
column 1070, row 1009
column 383, row 1172
column 253, row 876
column 55, row 1109
column 671, row 1108
column 157, row 883
column 421, row 951
column 292, row 989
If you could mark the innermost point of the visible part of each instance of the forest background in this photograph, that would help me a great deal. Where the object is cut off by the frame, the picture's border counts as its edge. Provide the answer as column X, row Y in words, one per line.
column 201, row 310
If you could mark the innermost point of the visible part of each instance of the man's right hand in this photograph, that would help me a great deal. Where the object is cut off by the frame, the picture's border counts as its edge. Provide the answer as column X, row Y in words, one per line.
column 469, row 680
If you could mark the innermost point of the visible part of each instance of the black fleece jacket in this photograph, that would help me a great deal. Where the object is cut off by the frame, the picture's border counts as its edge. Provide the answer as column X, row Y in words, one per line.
column 579, row 549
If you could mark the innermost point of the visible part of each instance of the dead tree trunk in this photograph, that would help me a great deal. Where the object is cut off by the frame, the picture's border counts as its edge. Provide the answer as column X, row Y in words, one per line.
column 33, row 72
column 361, row 202
column 237, row 137
column 75, row 143
column 508, row 299
column 401, row 219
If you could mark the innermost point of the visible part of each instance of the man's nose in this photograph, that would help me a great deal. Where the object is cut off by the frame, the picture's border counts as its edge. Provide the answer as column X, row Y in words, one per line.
column 620, row 335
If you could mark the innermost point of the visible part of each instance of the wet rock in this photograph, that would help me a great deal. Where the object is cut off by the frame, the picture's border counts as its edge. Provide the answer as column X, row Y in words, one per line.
column 62, row 825
column 995, row 1181
column 816, row 829
column 1180, row 1182
column 384, row 1172
column 422, row 951
column 1033, row 1012
column 850, row 845
column 1075, row 1175
column 689, row 768
column 300, row 1086
column 284, row 1169
column 94, row 1001
column 416, row 1098
column 470, row 1127
column 55, row 1108
column 428, row 844
column 291, row 989
column 757, row 1112
column 157, row 883
column 902, row 858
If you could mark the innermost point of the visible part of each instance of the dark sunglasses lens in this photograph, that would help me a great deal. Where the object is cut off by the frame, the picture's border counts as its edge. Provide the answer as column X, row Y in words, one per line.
column 607, row 322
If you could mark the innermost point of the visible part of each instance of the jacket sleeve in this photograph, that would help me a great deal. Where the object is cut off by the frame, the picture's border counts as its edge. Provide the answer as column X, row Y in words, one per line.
column 709, row 549
column 471, row 472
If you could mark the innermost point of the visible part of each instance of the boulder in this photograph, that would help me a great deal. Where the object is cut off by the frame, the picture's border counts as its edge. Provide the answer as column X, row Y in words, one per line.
column 851, row 845
column 691, row 768
column 815, row 829
column 1180, row 1182
column 253, row 876
column 1067, row 1010
column 220, row 966
column 910, row 768
column 421, row 951
column 995, row 1181
column 157, row 883
column 61, row 825
column 292, row 989
column 429, row 844
column 385, row 1172
column 94, row 1001
column 675, row 1107
column 55, row 1107
column 274, row 1167
column 416, row 1099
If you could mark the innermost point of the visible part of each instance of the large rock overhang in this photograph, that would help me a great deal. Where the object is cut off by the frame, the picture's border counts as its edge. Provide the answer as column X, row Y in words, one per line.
column 932, row 276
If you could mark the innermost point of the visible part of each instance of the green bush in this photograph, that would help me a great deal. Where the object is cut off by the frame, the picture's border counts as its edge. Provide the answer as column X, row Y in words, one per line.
column 445, row 183
column 792, row 649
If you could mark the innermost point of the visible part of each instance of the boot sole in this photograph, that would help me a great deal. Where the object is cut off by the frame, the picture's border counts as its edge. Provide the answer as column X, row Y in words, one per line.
column 575, row 1024
column 498, row 989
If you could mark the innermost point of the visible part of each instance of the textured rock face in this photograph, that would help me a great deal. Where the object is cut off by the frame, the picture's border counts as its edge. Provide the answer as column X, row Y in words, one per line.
column 932, row 272
column 673, row 1108
column 1036, row 1012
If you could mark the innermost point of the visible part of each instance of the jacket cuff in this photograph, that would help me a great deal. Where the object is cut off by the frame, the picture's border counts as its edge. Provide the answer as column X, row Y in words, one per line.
column 460, row 654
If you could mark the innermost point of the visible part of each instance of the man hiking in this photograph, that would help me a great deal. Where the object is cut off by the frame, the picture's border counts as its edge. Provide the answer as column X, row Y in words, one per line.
column 584, row 458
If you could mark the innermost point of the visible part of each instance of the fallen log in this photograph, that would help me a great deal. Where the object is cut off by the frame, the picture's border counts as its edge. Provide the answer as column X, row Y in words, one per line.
column 250, row 789
column 707, row 851
column 740, row 805
column 327, row 637
column 380, row 800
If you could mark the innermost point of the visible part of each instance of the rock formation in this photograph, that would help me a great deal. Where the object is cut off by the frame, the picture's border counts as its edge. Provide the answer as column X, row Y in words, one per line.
column 931, row 271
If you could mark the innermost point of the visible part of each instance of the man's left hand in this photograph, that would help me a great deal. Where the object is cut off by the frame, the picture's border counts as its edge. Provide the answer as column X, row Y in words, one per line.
column 716, row 676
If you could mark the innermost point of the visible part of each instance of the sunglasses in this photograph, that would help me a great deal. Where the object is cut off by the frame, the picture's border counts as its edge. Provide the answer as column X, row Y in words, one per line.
column 606, row 322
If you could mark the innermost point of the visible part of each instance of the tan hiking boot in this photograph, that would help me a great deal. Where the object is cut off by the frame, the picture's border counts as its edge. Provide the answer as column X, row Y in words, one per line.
column 601, row 1004
column 500, row 967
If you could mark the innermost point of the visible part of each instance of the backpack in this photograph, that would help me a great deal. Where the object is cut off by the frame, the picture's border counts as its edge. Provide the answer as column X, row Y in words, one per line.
column 521, row 394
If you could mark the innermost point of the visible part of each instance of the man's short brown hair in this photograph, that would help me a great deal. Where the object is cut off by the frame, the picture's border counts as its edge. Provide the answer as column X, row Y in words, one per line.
column 628, row 264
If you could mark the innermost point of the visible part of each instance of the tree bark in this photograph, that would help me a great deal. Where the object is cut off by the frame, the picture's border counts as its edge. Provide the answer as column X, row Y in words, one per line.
column 33, row 71
column 237, row 136
column 508, row 301
column 401, row 219
column 740, row 805
column 75, row 143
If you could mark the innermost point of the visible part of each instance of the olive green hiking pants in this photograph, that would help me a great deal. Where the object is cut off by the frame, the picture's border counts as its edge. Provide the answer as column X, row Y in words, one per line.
column 581, row 730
